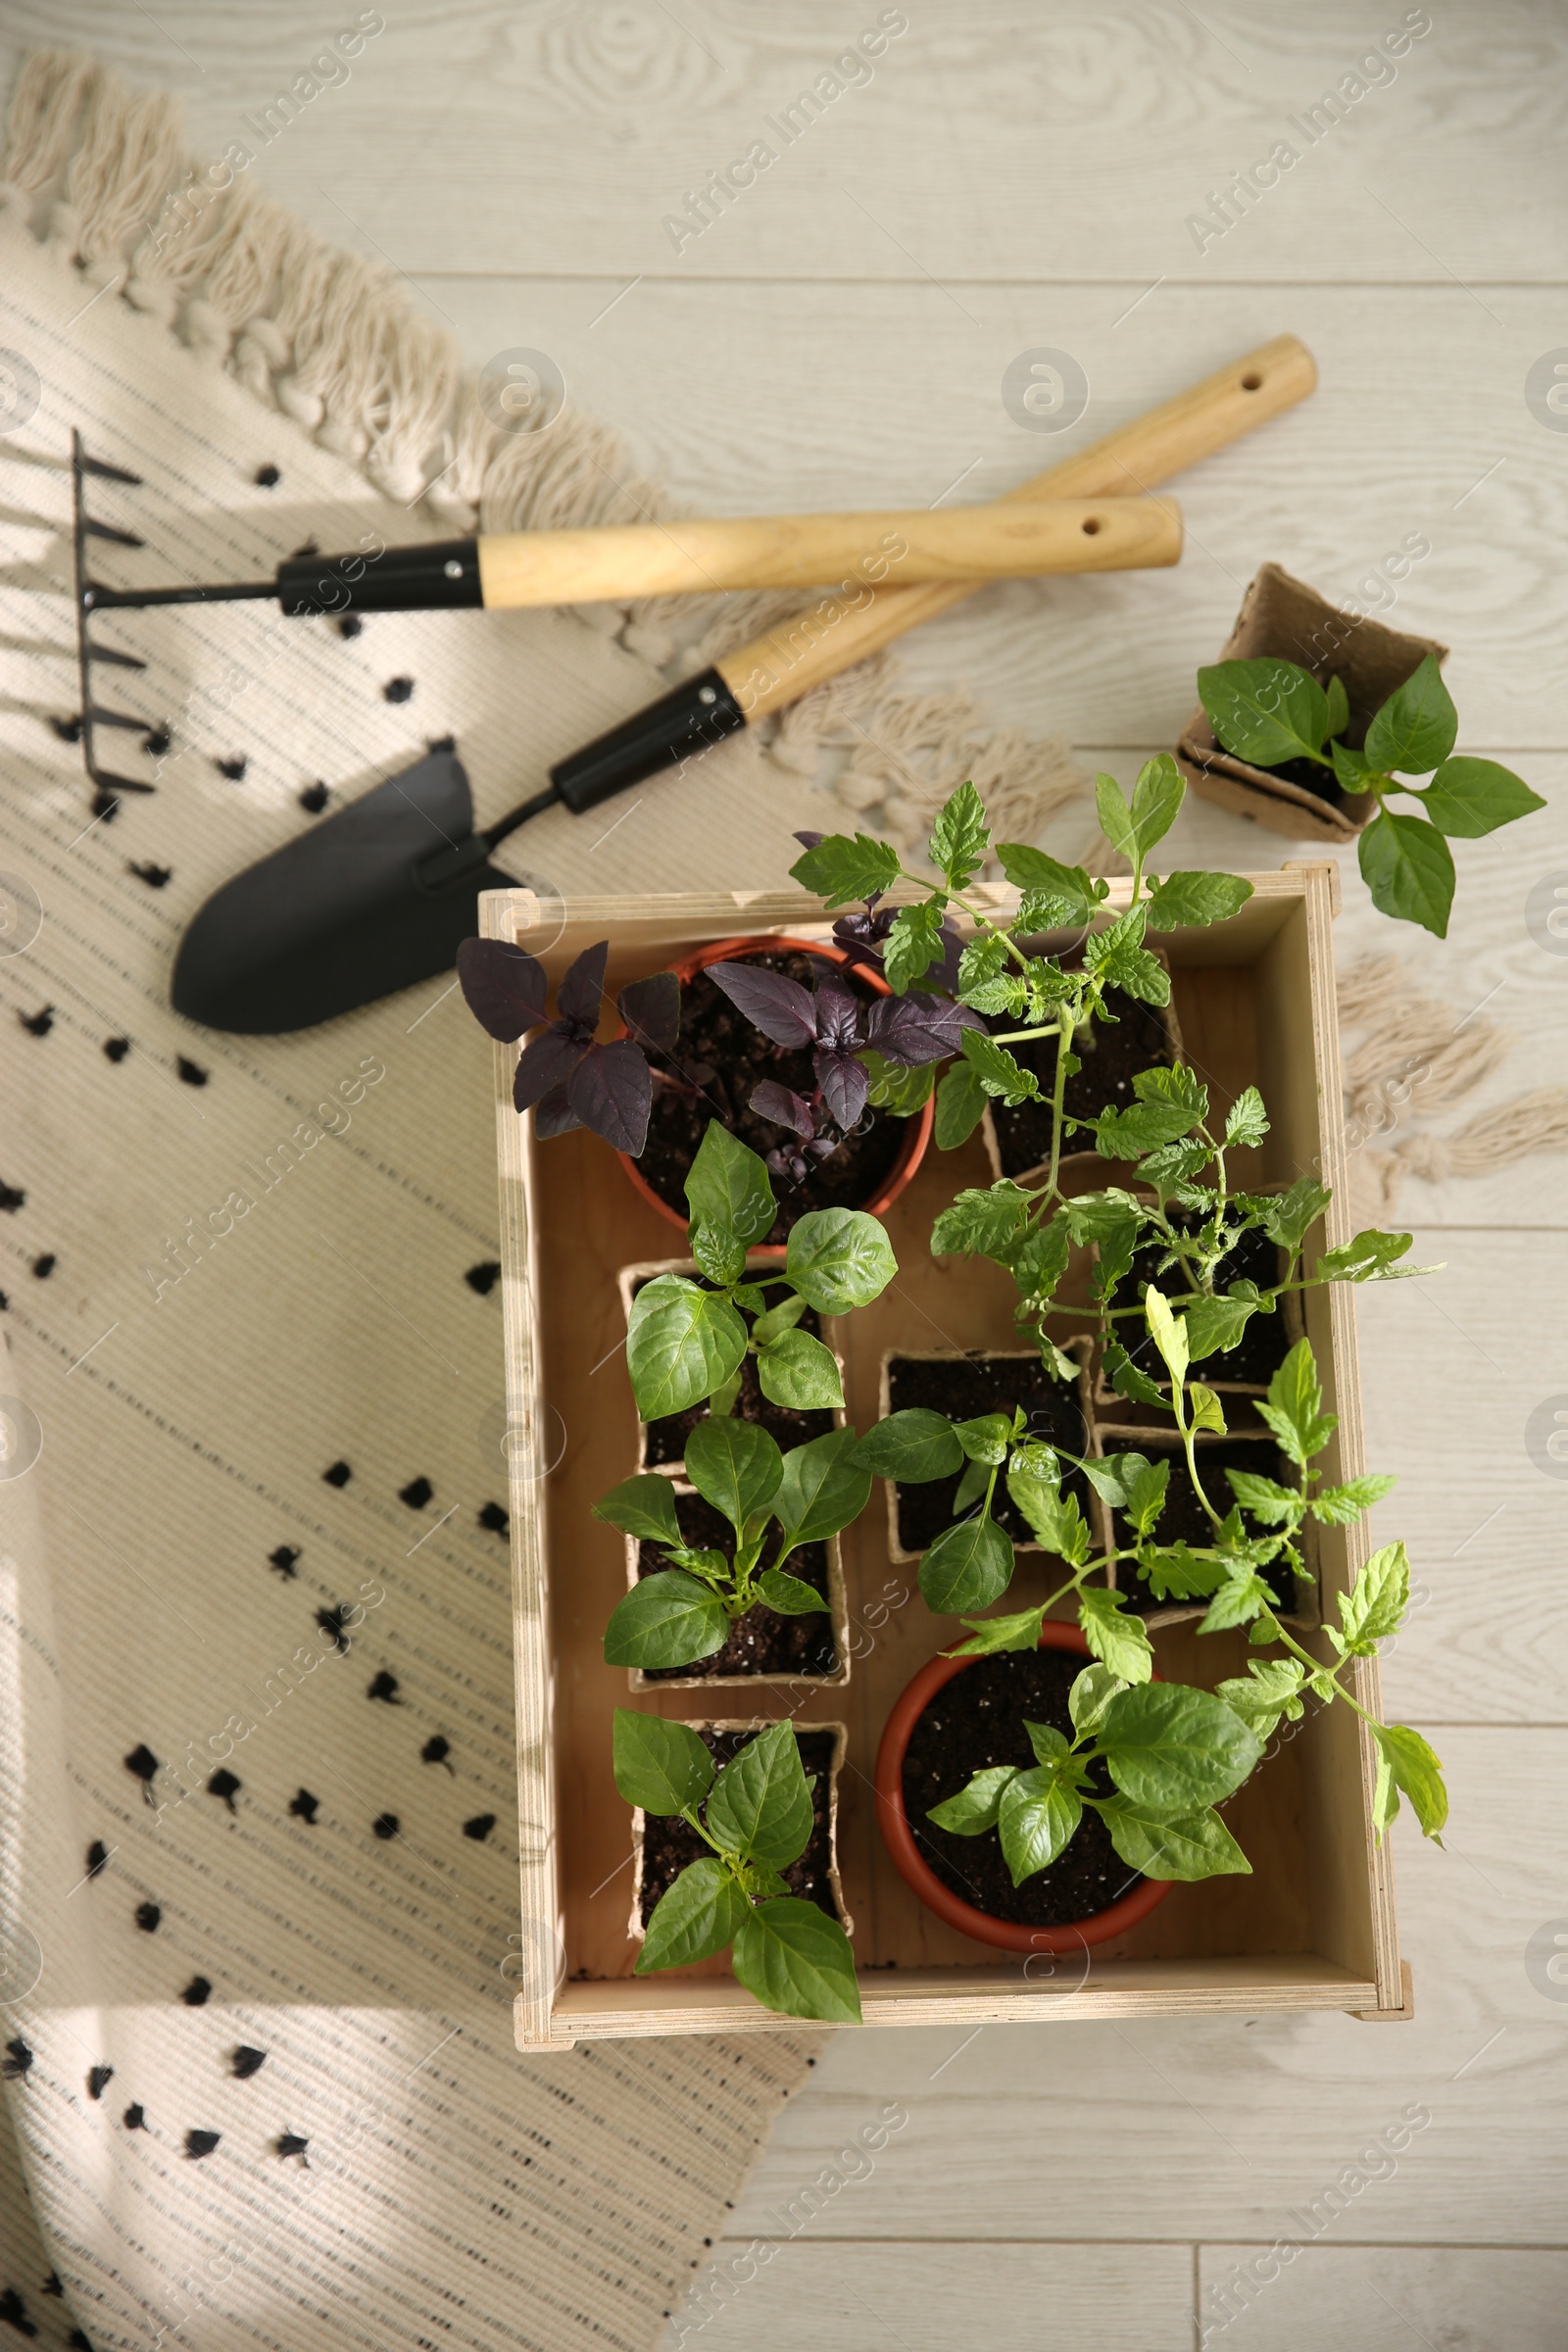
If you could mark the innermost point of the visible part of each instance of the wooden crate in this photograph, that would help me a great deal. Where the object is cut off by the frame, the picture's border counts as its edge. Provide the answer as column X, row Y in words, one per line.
column 1312, row 1929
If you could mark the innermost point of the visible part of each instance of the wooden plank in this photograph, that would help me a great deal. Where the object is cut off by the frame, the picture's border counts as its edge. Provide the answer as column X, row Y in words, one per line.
column 1382, row 2298
column 843, row 2298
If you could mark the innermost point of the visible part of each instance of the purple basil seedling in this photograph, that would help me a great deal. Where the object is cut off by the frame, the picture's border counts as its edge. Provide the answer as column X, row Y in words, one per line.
column 563, row 1074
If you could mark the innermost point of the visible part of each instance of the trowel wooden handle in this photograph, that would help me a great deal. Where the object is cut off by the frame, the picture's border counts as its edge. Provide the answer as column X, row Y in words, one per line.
column 959, row 544
column 826, row 638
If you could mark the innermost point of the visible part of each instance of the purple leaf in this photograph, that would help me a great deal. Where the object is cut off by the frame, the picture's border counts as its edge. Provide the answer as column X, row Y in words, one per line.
column 779, row 1006
column 839, row 1016
column 553, row 1115
column 582, row 991
column 811, row 841
column 783, row 1106
column 610, row 1091
column 844, row 1085
column 914, row 1029
column 548, row 1062
column 504, row 989
column 651, row 1010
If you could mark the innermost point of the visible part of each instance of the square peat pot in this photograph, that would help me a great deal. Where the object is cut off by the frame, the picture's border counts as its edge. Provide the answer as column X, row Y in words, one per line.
column 1313, row 1928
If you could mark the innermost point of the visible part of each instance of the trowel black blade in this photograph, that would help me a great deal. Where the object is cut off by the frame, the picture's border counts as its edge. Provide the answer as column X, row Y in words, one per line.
column 337, row 917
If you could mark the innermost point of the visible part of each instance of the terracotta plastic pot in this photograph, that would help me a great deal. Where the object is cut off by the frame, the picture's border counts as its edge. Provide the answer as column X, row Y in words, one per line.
column 1011, row 1936
column 917, row 1130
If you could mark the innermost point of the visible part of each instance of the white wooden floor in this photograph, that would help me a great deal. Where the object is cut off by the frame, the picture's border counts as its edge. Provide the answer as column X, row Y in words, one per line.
column 1012, row 178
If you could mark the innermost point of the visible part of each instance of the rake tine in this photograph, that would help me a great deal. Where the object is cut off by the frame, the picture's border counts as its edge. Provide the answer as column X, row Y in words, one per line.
column 108, row 473
column 110, row 653
column 107, row 530
column 117, row 718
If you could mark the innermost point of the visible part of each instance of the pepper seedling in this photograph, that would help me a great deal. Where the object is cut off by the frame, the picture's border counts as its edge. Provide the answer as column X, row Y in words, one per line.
column 917, row 1446
column 1269, row 711
column 757, row 1818
column 682, row 1613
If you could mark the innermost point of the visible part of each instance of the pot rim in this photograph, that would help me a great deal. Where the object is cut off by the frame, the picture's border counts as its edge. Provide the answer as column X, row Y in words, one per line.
column 918, row 1128
column 1097, row 1927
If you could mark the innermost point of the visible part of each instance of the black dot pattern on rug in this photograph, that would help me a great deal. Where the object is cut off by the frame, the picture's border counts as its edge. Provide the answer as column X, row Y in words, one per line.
column 201, row 2144
column 436, row 1750
column 68, row 730
column 157, row 741
column 483, row 1277
column 266, row 477
column 480, row 1828
column 18, row 2059
column 135, row 2117
column 333, row 1626
column 190, row 1071
column 245, row 2062
column 233, row 769
column 52, row 2286
column 497, row 1518
column 11, row 1199
column 154, row 876
column 197, row 1991
column 350, row 625
column 225, row 1785
column 302, row 1805
column 144, row 1764
column 385, row 1686
column 14, row 2312
column 147, row 1916
column 78, row 2343
column 313, row 799
column 385, row 1825
column 398, row 690
column 43, row 1266
column 97, row 1856
column 441, row 742
column 290, row 2144
column 339, row 1475
column 285, row 1559
column 416, row 1494
column 117, row 1048
column 99, row 2079
column 105, row 805
column 39, row 1023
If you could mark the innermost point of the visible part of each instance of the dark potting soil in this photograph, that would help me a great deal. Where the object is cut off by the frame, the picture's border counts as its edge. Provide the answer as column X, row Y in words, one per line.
column 964, row 1389
column 669, row 1845
column 1262, row 1347
column 1183, row 1519
column 977, row 1719
column 1112, row 1053
column 665, row 1440
column 716, row 1037
column 1320, row 782
column 761, row 1641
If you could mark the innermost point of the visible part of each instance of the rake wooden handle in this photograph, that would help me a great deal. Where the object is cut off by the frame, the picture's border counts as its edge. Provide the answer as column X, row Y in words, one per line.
column 786, row 662
column 959, row 546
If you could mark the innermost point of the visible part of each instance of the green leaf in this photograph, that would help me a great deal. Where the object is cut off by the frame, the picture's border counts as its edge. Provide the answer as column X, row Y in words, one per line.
column 1377, row 1601
column 1036, row 1819
column 1414, row 1769
column 961, row 1105
column 736, row 1467
column 1192, row 901
column 644, row 1507
column 796, row 1960
column 1365, row 1259
column 1468, row 797
column 1353, row 771
column 1288, row 1215
column 1056, row 1522
column 789, row 1594
column 1215, row 1325
column 1178, row 1573
column 968, row 1567
column 1264, row 1498
column 1408, row 868
column 1146, row 1493
column 823, row 1488
column 664, row 1767
column 974, row 1809
column 1162, row 1846
column 1242, row 1597
column 1038, row 1263
column 728, row 1185
column 913, row 945
column 1119, row 1642
column 988, row 1635
column 1065, row 893
column 1091, row 1694
column 1116, row 815
column 986, row 1437
column 668, row 1619
column 695, row 1917
column 838, row 1258
column 777, row 1319
column 1414, row 731
column 995, row 1068
column 840, row 869
column 1129, row 1133
column 1126, row 1377
column 682, row 1343
column 913, row 1446
column 961, row 837
column 1268, row 1690
column 1174, row 1083
column 1168, row 1335
column 798, row 1371
column 761, row 1802
column 1295, row 1407
column 1167, row 1746
column 720, row 1254
column 1264, row 712
column 898, row 1090
column 1050, row 1745
column 1341, row 1506
column 1204, row 1409
column 1109, row 1473
column 1339, row 702
column 984, row 1224
column 971, row 1487
column 1246, row 1121
column 1157, row 797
